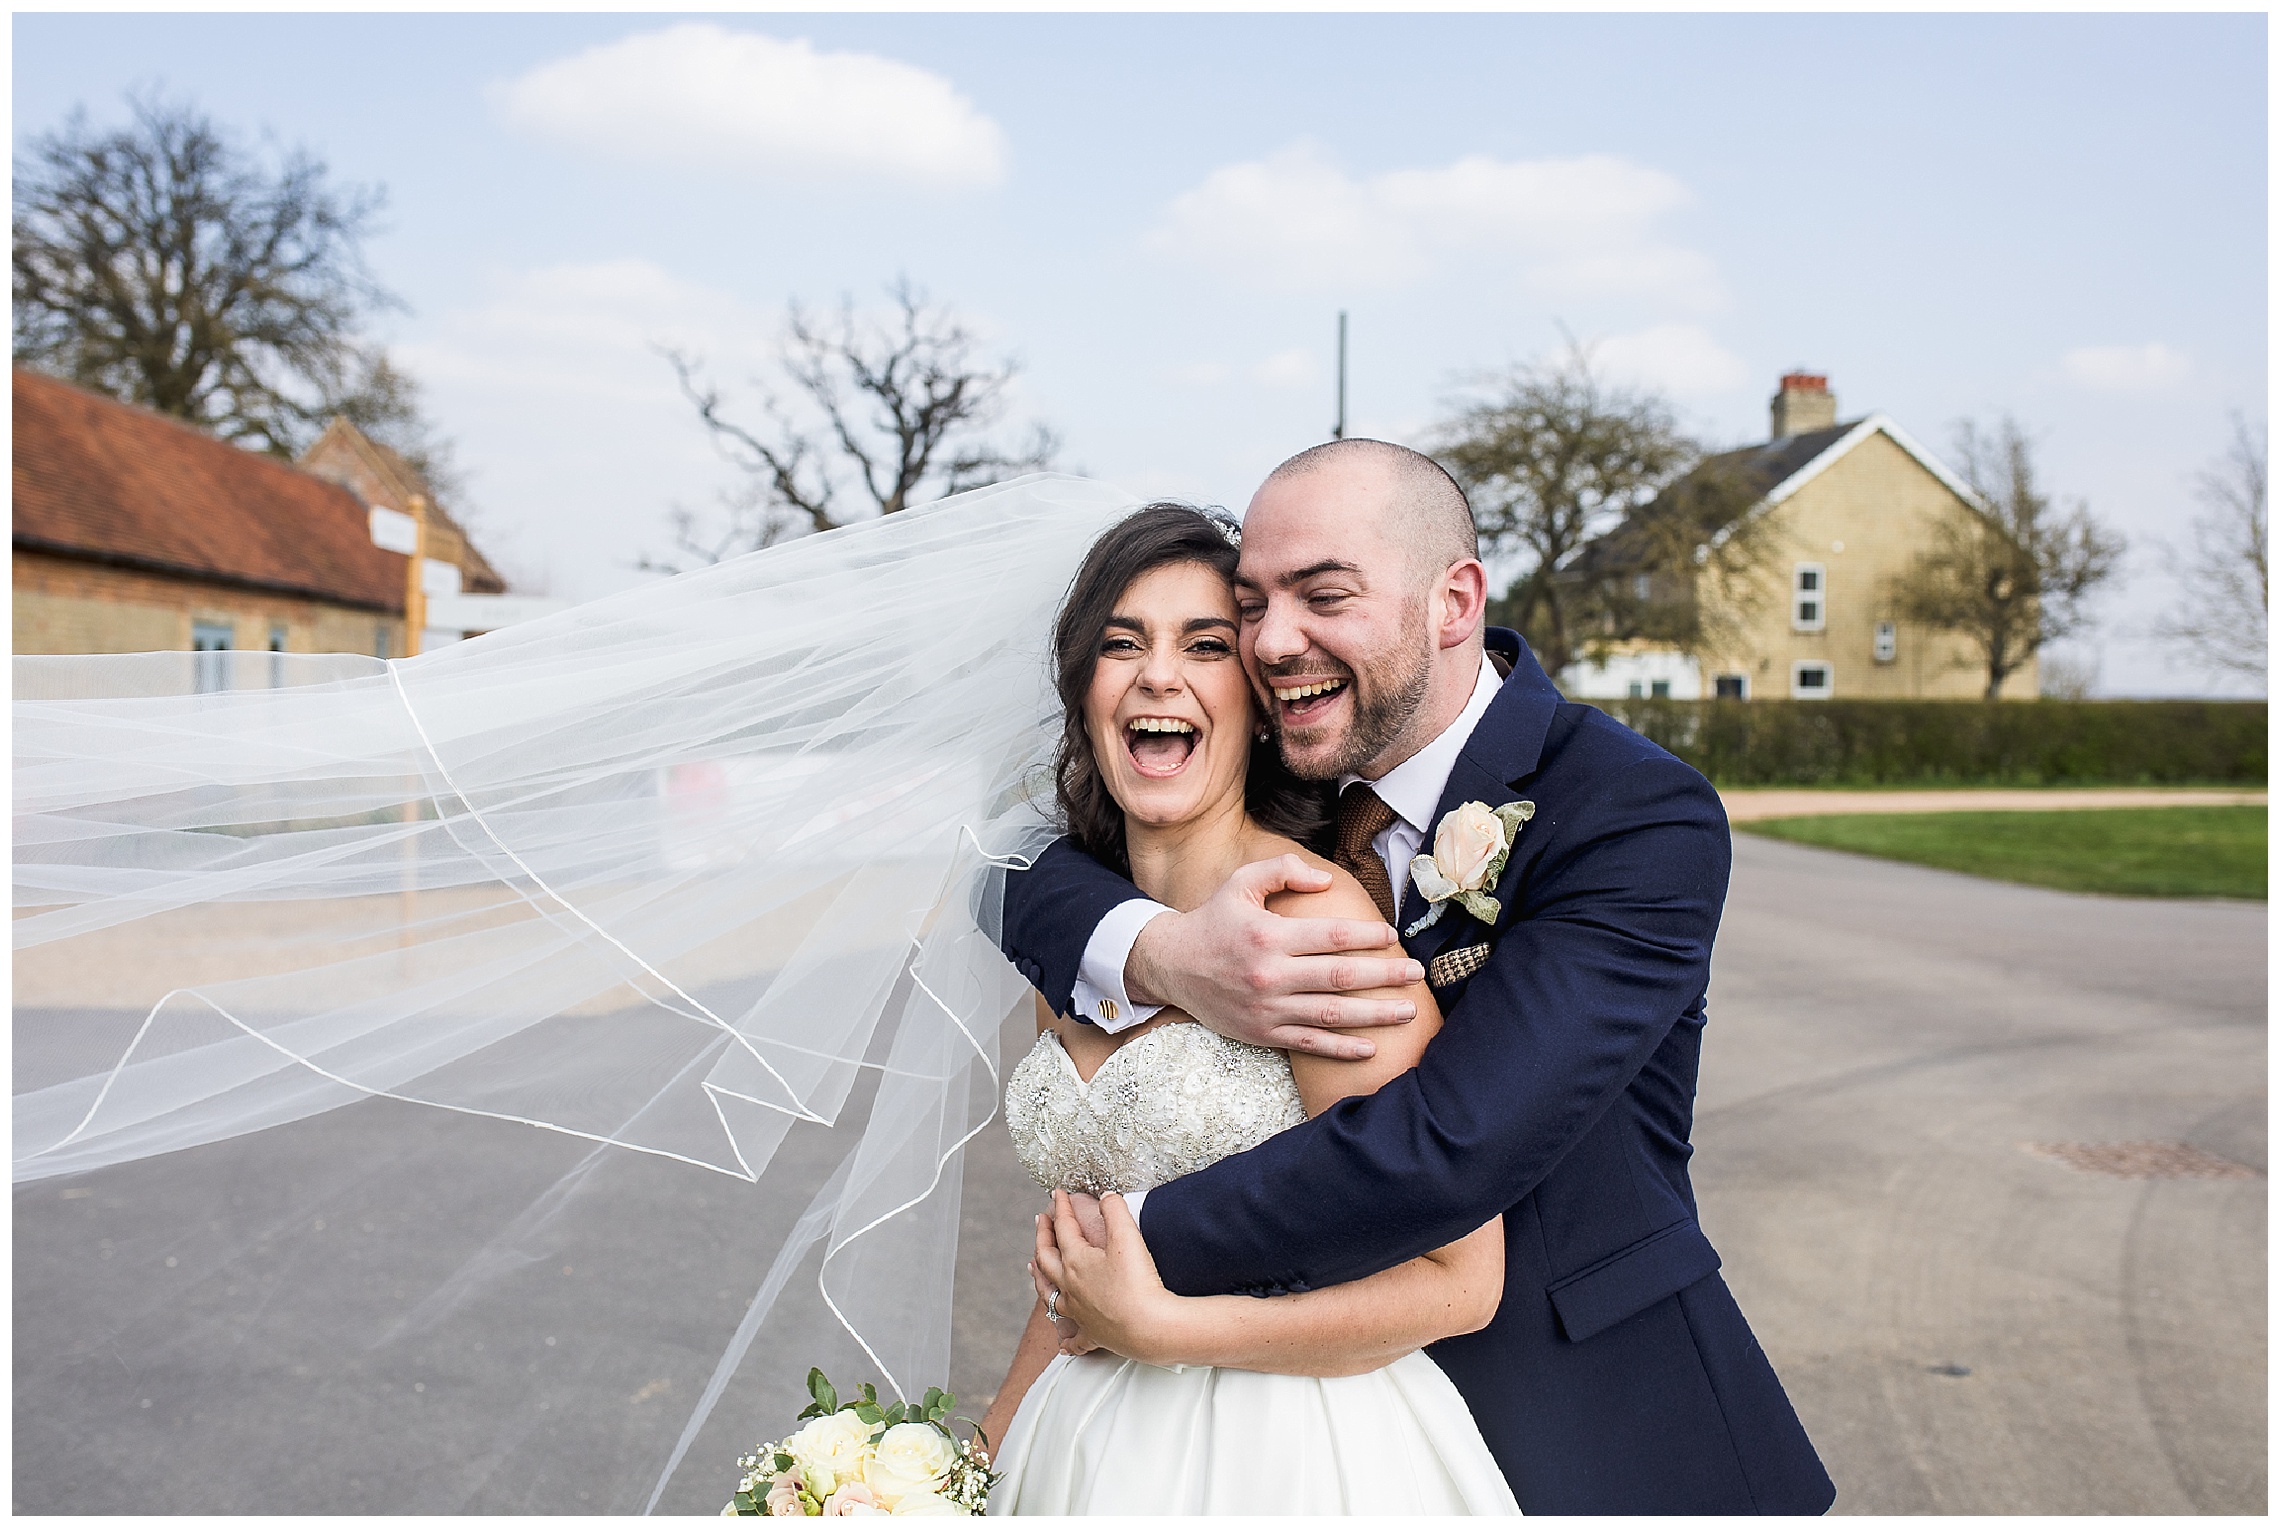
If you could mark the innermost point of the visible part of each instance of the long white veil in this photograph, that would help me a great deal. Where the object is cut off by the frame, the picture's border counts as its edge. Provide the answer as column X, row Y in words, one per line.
column 674, row 873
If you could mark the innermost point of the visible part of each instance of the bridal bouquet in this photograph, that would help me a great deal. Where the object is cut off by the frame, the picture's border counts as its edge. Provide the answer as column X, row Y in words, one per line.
column 861, row 1459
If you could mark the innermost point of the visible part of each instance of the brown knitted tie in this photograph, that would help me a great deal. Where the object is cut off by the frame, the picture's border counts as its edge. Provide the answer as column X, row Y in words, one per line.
column 1362, row 816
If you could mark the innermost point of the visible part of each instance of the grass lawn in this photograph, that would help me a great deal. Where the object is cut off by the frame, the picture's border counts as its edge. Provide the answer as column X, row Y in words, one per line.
column 2169, row 851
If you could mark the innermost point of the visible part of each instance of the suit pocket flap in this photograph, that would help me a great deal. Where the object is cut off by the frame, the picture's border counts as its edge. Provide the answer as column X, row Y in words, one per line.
column 1621, row 1285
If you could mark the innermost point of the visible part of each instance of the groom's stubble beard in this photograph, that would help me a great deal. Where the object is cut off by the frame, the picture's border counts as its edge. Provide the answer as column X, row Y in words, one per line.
column 1387, row 692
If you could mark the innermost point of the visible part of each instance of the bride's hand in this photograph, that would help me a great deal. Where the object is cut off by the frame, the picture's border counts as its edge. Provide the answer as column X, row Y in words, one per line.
column 1112, row 1293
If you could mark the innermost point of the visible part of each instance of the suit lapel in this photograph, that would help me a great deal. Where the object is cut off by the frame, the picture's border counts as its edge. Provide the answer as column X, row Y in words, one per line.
column 1501, row 753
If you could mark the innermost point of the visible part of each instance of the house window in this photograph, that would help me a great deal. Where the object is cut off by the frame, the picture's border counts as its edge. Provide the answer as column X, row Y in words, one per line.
column 1659, row 689
column 1642, row 585
column 1887, row 641
column 209, row 670
column 1636, row 690
column 276, row 646
column 1809, row 681
column 1809, row 600
column 380, row 641
column 1732, row 686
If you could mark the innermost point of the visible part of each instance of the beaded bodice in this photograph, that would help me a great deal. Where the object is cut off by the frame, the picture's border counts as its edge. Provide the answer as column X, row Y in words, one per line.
column 1163, row 1105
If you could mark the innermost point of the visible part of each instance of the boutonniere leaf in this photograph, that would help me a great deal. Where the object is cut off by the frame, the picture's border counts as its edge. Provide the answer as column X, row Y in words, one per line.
column 1469, row 850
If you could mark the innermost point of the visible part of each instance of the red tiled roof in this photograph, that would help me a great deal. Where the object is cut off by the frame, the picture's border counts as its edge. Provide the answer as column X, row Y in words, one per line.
column 97, row 478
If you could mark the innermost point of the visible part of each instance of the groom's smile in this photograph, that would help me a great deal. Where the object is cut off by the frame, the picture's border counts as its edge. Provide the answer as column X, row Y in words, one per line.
column 1307, row 701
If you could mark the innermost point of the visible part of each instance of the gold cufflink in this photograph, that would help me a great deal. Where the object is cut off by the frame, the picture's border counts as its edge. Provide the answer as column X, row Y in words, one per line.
column 1108, row 1009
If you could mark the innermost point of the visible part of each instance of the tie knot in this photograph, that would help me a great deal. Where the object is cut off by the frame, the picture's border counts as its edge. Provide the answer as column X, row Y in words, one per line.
column 1362, row 816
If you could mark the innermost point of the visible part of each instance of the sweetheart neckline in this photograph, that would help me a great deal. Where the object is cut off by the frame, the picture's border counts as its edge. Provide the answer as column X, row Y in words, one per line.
column 1084, row 1083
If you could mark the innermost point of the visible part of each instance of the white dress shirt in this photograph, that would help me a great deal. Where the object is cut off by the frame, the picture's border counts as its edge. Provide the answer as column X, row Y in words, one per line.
column 1412, row 788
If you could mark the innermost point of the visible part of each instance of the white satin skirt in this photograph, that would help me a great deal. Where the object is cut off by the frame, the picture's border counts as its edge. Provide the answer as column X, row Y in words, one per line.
column 1106, row 1435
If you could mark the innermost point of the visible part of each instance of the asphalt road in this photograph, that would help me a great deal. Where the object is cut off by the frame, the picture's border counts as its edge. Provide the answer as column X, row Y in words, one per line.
column 1884, row 1043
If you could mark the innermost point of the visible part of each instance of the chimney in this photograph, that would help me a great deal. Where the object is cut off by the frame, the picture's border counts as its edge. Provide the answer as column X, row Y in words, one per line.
column 1804, row 403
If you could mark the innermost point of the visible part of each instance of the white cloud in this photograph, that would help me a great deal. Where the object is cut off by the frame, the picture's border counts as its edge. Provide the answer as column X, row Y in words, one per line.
column 1287, row 368
column 2124, row 368
column 699, row 94
column 1200, row 374
column 1283, row 370
column 1681, row 359
column 1584, row 225
column 593, row 330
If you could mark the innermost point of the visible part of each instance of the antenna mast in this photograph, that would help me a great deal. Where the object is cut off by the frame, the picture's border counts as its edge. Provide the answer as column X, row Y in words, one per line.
column 1338, row 431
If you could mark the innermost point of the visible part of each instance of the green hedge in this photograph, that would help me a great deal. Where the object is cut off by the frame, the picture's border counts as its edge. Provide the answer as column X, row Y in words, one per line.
column 1947, row 742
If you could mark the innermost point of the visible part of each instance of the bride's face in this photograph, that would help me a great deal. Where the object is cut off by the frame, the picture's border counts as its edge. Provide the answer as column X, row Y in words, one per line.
column 1169, row 712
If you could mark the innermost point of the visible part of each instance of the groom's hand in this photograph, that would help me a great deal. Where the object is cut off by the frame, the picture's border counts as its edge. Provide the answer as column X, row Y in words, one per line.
column 1268, row 980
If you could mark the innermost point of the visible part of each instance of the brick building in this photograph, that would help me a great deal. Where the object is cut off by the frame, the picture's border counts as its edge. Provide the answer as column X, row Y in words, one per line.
column 134, row 532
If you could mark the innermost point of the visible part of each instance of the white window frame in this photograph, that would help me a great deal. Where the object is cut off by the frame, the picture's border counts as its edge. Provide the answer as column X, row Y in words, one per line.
column 207, row 639
column 1741, row 679
column 1797, row 670
column 1887, row 641
column 1818, row 594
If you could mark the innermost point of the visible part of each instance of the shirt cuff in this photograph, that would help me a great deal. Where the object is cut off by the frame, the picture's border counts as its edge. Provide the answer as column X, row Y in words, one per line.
column 1098, row 995
column 1133, row 1201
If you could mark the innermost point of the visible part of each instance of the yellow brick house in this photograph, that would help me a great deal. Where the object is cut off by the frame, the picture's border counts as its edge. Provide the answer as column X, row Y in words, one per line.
column 1840, row 509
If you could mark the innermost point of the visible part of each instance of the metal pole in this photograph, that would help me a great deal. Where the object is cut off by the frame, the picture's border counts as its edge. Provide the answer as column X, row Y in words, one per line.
column 1339, row 431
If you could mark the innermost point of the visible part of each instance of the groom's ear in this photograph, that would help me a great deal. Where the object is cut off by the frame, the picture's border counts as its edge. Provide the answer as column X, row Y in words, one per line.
column 1463, row 597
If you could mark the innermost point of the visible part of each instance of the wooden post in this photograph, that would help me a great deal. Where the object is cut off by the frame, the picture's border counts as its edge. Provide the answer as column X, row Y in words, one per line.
column 415, row 587
column 415, row 624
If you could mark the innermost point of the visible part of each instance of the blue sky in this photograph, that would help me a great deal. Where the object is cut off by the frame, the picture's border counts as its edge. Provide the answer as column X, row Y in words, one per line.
column 2061, row 216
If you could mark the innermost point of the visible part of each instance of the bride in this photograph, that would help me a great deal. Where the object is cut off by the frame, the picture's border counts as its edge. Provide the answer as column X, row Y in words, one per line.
column 1318, row 1402
column 677, row 889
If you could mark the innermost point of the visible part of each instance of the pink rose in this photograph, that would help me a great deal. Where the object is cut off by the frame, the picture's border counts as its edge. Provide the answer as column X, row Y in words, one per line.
column 1468, row 840
column 854, row 1499
column 784, row 1497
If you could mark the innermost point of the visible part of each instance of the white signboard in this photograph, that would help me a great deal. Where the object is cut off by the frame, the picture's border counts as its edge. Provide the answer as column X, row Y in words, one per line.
column 439, row 579
column 394, row 531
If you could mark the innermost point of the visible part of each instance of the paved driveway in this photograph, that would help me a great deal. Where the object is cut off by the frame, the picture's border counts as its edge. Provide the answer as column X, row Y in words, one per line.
column 1883, row 1040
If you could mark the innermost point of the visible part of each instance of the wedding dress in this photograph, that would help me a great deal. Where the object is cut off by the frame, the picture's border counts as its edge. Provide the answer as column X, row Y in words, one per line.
column 1104, row 1434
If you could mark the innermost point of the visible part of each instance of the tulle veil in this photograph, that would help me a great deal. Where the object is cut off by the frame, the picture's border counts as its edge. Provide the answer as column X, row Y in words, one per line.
column 682, row 874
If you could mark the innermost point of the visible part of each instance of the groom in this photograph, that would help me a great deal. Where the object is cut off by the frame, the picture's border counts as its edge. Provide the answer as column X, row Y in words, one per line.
column 1618, row 1375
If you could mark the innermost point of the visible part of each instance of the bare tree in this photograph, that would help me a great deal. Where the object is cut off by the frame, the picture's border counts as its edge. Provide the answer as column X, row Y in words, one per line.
column 1551, row 457
column 164, row 264
column 2224, row 618
column 1691, row 569
column 2012, row 573
column 889, row 414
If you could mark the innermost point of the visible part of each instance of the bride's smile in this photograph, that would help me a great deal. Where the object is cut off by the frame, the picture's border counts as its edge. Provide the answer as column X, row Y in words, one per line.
column 1169, row 710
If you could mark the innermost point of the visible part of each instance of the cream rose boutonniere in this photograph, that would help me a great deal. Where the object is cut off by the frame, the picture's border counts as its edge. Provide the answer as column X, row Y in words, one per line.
column 1469, row 851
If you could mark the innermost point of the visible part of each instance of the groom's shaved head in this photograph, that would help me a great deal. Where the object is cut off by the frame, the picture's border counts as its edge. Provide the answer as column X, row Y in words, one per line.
column 1432, row 516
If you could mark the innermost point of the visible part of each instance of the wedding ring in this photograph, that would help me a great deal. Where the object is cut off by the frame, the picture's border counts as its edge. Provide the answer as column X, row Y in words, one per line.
column 1053, row 1306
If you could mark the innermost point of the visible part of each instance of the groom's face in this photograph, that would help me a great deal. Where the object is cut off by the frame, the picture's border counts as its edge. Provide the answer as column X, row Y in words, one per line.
column 1334, row 623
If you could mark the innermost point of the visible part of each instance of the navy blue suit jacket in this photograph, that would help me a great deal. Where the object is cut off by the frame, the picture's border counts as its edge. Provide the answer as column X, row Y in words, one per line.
column 1618, row 1375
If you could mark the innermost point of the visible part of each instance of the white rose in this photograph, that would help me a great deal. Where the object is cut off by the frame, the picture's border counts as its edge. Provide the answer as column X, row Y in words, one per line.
column 926, row 1504
column 1436, row 886
column 829, row 1450
column 1468, row 840
column 911, row 1458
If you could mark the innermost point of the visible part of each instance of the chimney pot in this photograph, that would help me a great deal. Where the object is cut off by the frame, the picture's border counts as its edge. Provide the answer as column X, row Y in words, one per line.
column 1804, row 403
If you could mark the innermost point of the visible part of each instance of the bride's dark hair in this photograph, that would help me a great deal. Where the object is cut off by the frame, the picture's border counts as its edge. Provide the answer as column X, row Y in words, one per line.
column 1155, row 536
